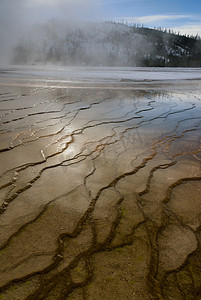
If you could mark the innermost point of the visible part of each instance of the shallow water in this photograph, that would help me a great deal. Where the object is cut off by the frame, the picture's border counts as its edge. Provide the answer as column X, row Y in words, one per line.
column 100, row 190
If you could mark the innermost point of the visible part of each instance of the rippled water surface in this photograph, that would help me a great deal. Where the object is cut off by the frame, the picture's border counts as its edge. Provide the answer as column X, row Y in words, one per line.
column 100, row 190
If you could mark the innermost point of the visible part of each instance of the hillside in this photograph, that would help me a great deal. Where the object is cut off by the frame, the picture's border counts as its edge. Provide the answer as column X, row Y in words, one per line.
column 106, row 44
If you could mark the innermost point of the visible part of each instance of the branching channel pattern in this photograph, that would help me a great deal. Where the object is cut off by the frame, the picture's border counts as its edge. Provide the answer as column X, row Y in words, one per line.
column 100, row 193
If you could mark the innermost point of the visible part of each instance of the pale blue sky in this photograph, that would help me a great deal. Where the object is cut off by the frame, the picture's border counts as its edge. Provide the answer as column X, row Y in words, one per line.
column 181, row 15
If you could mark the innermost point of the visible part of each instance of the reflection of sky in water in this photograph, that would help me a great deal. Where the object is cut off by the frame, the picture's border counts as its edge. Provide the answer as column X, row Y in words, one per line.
column 157, row 113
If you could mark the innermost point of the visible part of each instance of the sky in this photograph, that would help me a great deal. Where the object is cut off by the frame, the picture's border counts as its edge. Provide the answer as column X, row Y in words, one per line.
column 182, row 15
column 16, row 16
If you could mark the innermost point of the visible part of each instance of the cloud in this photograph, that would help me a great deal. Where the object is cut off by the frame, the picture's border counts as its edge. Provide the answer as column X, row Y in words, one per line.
column 154, row 18
column 189, row 28
column 158, row 18
column 184, row 23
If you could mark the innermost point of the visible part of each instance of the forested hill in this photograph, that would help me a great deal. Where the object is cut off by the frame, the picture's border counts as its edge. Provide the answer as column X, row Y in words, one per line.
column 106, row 44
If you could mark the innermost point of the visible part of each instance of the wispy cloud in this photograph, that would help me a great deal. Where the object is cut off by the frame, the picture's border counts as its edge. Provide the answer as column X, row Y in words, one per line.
column 184, row 23
column 189, row 28
column 155, row 18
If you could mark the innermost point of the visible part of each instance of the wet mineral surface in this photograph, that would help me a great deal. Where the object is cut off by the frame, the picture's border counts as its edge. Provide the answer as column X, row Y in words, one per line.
column 100, row 191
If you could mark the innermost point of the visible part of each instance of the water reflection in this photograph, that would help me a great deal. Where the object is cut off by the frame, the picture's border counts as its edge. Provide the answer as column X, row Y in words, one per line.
column 100, row 187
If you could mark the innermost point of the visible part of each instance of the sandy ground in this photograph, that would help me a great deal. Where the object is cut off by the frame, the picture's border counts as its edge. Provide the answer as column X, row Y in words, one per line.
column 100, row 188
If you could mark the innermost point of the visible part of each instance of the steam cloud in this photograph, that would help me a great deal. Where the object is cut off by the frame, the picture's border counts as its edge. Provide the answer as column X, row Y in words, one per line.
column 17, row 16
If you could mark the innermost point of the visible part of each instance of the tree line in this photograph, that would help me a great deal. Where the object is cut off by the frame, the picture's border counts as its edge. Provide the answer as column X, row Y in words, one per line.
column 106, row 44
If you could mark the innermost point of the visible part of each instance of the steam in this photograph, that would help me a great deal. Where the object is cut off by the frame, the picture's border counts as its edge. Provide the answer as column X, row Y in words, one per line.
column 82, row 43
column 11, row 27
column 18, row 16
column 64, row 32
